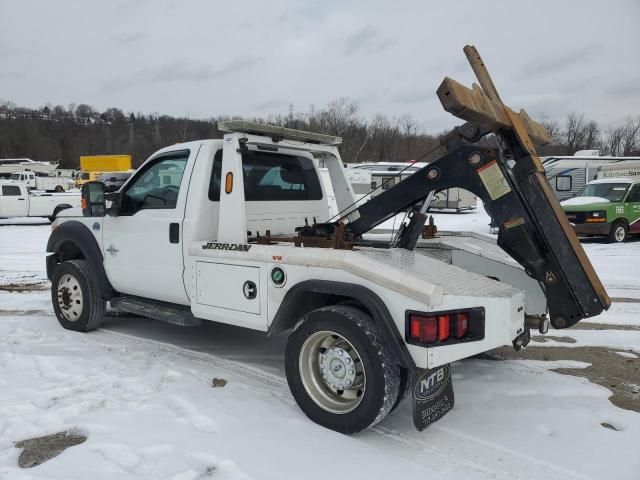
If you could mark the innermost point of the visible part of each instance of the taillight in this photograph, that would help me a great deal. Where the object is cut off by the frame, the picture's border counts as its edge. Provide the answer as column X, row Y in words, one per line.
column 424, row 329
column 462, row 324
column 445, row 327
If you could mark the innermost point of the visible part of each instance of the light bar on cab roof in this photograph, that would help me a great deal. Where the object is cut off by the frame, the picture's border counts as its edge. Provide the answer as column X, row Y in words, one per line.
column 279, row 132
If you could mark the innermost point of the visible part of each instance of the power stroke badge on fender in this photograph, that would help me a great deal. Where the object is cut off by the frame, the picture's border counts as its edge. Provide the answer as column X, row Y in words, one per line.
column 432, row 395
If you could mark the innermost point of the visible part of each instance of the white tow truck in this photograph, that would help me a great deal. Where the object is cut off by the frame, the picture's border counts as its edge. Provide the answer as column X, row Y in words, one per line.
column 238, row 231
column 17, row 201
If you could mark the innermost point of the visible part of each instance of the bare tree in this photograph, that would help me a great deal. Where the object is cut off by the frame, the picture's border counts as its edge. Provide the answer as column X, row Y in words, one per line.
column 615, row 139
column 631, row 142
column 554, row 130
column 592, row 138
column 575, row 133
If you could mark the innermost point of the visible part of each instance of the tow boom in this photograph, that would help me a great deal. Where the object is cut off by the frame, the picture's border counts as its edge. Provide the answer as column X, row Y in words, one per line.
column 510, row 180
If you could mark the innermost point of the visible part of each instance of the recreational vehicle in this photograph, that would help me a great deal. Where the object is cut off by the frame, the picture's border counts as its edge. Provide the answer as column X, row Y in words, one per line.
column 385, row 175
column 568, row 175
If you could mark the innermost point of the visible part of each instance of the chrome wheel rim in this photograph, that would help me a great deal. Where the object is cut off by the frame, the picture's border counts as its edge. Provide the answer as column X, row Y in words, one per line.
column 70, row 297
column 332, row 372
column 620, row 233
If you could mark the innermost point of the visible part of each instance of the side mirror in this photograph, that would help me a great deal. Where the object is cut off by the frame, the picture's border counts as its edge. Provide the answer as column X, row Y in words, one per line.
column 93, row 201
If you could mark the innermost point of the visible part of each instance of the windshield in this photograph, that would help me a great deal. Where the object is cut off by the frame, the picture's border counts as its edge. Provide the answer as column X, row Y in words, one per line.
column 15, row 176
column 614, row 192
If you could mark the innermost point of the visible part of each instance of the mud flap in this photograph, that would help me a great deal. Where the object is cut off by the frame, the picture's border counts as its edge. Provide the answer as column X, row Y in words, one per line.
column 432, row 395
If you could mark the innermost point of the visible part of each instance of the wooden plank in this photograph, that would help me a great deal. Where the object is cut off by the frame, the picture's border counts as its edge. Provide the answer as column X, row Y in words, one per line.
column 473, row 105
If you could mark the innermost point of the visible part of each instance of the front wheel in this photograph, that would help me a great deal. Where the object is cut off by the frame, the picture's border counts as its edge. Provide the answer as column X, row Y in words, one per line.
column 340, row 370
column 76, row 296
column 618, row 232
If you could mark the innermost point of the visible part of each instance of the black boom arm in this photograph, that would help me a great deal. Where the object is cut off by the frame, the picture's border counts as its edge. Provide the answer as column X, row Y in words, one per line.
column 517, row 199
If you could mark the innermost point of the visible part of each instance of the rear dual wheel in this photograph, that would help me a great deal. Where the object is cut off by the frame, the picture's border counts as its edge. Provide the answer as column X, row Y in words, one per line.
column 340, row 370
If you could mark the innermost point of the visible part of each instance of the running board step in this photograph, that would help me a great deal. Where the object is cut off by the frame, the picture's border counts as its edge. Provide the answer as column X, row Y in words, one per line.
column 163, row 311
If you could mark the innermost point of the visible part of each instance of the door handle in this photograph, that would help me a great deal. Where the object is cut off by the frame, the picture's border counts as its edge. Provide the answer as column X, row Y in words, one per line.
column 174, row 233
column 21, row 199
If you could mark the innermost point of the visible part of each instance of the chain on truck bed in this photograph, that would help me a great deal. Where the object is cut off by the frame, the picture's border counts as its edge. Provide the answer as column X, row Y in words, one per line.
column 510, row 180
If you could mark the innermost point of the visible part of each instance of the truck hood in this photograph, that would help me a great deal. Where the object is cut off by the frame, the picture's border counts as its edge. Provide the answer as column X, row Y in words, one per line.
column 581, row 204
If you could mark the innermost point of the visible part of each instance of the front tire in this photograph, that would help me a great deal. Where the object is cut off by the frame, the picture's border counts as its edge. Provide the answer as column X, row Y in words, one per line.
column 340, row 370
column 618, row 233
column 76, row 297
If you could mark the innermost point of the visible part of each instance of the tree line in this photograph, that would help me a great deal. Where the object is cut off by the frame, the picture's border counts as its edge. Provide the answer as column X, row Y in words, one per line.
column 58, row 133
column 580, row 133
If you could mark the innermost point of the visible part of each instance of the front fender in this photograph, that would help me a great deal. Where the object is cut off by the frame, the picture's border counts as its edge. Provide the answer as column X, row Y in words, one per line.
column 71, row 241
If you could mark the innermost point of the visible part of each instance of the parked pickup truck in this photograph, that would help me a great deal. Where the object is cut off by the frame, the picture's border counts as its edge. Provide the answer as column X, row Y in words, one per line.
column 17, row 201
column 607, row 207
column 238, row 231
column 45, row 183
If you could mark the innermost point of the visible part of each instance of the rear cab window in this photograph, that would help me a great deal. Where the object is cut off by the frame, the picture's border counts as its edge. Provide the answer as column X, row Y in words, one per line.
column 271, row 177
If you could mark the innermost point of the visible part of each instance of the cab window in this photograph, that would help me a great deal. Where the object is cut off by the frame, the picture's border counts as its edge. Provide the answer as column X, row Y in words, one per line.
column 11, row 191
column 276, row 177
column 271, row 177
column 156, row 185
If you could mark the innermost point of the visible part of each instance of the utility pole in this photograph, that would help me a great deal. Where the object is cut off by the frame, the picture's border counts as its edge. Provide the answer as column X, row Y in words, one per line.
column 156, row 131
column 132, row 120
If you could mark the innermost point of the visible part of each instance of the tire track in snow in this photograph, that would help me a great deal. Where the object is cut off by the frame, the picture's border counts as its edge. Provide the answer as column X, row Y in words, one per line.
column 484, row 459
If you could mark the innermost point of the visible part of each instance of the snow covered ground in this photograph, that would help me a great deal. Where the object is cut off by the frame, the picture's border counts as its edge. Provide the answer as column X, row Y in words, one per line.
column 141, row 392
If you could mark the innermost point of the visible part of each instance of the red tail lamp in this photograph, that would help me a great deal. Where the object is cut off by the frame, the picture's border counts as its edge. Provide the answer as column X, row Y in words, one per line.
column 447, row 327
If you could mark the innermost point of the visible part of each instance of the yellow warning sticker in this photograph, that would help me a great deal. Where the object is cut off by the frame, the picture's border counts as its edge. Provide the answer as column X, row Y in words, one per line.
column 493, row 180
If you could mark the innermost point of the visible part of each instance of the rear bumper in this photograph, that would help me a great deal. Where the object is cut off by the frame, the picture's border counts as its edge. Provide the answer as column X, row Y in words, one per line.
column 592, row 228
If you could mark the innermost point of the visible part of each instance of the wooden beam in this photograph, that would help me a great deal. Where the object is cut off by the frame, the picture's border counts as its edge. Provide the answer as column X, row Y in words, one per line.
column 473, row 105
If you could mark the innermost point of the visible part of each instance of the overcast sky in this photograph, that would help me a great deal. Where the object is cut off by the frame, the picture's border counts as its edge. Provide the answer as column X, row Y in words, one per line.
column 208, row 58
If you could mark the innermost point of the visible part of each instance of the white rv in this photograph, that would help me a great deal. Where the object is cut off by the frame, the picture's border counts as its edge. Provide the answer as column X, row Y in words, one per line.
column 567, row 175
column 385, row 175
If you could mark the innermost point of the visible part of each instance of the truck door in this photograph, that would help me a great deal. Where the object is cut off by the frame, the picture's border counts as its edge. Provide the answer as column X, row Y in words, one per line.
column 142, row 246
column 14, row 202
column 632, row 208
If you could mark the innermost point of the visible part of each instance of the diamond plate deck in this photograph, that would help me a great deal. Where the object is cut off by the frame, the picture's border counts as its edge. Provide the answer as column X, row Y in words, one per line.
column 452, row 279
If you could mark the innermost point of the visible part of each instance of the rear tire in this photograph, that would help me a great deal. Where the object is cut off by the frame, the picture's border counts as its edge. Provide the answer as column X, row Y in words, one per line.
column 618, row 233
column 58, row 189
column 340, row 370
column 76, row 297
